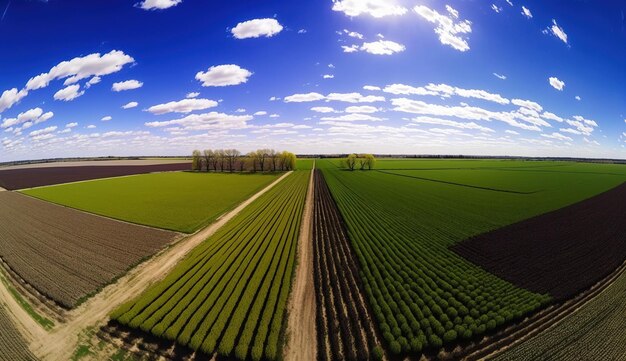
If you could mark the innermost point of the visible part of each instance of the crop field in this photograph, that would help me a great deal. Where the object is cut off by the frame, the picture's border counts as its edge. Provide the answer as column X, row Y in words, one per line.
column 594, row 332
column 37, row 176
column 12, row 346
column 344, row 324
column 178, row 201
column 579, row 245
column 229, row 295
column 65, row 254
column 402, row 220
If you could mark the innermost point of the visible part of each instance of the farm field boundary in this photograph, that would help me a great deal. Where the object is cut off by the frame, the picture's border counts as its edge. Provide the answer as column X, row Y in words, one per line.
column 580, row 245
column 301, row 336
column 61, row 342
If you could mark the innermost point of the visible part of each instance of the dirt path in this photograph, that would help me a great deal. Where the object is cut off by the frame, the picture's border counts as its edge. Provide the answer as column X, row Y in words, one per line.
column 27, row 326
column 62, row 341
column 301, row 336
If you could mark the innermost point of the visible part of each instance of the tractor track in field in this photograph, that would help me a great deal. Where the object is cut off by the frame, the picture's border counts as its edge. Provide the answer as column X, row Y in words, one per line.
column 61, row 342
column 301, row 336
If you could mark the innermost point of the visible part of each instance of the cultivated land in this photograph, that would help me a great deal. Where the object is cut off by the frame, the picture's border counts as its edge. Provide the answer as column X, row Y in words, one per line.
column 65, row 254
column 103, row 162
column 179, row 201
column 22, row 178
column 230, row 294
column 402, row 219
column 13, row 347
column 596, row 331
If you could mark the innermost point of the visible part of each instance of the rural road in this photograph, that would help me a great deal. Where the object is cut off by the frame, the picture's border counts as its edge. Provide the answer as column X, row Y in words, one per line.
column 61, row 342
column 301, row 336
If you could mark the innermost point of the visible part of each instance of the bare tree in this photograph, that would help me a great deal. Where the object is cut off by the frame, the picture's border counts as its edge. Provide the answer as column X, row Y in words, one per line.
column 208, row 158
column 221, row 158
column 196, row 162
column 262, row 155
column 273, row 155
column 253, row 160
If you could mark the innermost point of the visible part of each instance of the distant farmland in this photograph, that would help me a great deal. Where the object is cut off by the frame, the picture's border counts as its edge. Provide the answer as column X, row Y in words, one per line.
column 402, row 219
column 66, row 254
column 229, row 295
column 13, row 347
column 179, row 201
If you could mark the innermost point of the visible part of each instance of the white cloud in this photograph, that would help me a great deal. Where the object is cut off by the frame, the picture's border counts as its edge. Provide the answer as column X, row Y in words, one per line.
column 508, row 131
column 182, row 106
column 205, row 121
column 260, row 113
column 495, row 8
column 93, row 81
column 43, row 131
column 326, row 110
column 106, row 118
column 68, row 93
column 273, row 99
column 586, row 121
column 350, row 49
column 352, row 117
column 33, row 116
column 81, row 68
column 499, row 76
column 91, row 126
column 375, row 8
column 11, row 97
column 556, row 83
column 371, row 87
column 328, row 76
column 558, row 31
column 577, row 97
column 353, row 34
column 257, row 28
column 551, row 116
column 302, row 31
column 300, row 98
column 451, row 123
column 126, row 85
column 557, row 136
column 71, row 125
column 382, row 47
column 223, row 75
column 526, row 12
column 274, row 115
column 449, row 30
column 130, row 105
column 509, row 2
column 331, row 66
column 444, row 90
column 157, row 4
column 354, row 98
column 404, row 89
column 192, row 95
column 362, row 109
column 527, row 104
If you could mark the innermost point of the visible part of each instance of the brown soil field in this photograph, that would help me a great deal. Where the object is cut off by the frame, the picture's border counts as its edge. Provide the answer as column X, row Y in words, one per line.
column 21, row 178
column 560, row 253
column 12, row 345
column 83, row 163
column 66, row 254
column 345, row 330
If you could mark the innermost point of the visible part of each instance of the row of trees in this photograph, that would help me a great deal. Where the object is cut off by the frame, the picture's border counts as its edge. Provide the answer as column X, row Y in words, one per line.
column 230, row 160
column 360, row 161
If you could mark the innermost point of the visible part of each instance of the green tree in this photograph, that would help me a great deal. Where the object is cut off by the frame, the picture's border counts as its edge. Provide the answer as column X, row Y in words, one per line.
column 351, row 161
column 196, row 162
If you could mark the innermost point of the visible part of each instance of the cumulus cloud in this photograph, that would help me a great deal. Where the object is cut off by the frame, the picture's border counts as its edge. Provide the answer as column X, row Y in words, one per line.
column 354, row 98
column 450, row 30
column 71, row 125
column 126, row 85
column 33, row 116
column 496, row 8
column 350, row 48
column 451, row 123
column 182, row 106
column 130, row 105
column 527, row 104
column 260, row 113
column 43, row 131
column 81, row 68
column 375, row 8
column 371, row 87
column 382, row 47
column 68, row 93
column 556, row 83
column 557, row 136
column 223, row 75
column 106, row 118
column 557, row 31
column 11, row 97
column 328, row 76
column 499, row 76
column 353, row 34
column 157, row 4
column 362, row 109
column 526, row 12
column 192, row 95
column 300, row 98
column 205, row 121
column 257, row 28
column 444, row 90
column 352, row 117
column 577, row 97
column 323, row 110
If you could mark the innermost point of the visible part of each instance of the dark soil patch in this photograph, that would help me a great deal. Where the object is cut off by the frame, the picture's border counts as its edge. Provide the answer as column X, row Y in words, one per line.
column 560, row 253
column 13, row 179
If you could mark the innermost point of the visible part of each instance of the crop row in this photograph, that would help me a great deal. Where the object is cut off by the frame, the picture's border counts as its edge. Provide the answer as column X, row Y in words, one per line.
column 422, row 295
column 229, row 295
column 12, row 345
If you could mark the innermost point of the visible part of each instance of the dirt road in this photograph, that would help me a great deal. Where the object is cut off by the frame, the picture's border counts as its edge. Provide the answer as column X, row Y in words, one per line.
column 61, row 342
column 301, row 336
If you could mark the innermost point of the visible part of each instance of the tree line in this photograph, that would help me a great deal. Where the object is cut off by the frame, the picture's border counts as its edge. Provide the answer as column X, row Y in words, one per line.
column 231, row 160
column 360, row 161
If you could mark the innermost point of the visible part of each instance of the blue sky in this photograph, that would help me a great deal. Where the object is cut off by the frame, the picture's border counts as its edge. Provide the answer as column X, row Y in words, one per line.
column 163, row 77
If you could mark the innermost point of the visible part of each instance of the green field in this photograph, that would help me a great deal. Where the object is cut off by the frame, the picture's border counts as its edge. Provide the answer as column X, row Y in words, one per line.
column 179, row 201
column 402, row 218
column 304, row 163
column 229, row 295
